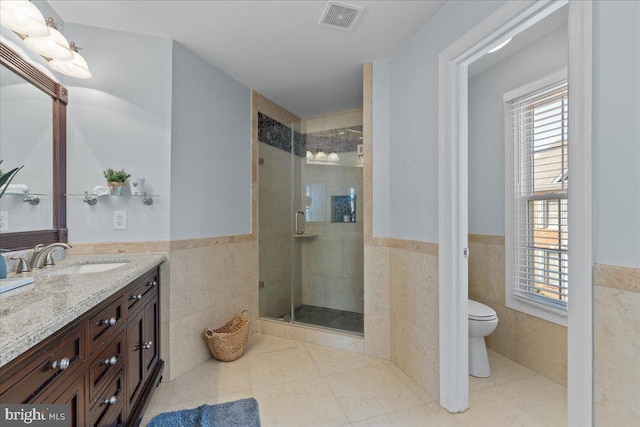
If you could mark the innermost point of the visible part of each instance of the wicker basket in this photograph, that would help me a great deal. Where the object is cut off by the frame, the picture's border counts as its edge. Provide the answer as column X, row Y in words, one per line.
column 228, row 342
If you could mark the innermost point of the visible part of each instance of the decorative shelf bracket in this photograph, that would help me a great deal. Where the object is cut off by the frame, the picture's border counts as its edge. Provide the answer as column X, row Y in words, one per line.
column 31, row 199
column 90, row 199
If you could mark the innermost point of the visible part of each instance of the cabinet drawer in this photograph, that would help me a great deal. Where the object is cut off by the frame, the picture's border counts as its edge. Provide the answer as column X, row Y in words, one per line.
column 109, row 403
column 50, row 365
column 140, row 291
column 105, row 365
column 104, row 324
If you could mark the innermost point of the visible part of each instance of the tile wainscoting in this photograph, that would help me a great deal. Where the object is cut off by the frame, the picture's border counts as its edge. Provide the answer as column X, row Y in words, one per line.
column 401, row 307
column 616, row 318
column 204, row 283
column 533, row 342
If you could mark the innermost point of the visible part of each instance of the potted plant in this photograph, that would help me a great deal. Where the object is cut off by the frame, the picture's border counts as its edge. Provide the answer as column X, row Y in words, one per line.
column 6, row 178
column 115, row 180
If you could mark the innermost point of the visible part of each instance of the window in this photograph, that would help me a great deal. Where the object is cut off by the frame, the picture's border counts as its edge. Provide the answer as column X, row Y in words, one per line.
column 537, row 184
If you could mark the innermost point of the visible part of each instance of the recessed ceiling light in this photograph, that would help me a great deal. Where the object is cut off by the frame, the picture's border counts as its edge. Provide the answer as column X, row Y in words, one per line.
column 500, row 46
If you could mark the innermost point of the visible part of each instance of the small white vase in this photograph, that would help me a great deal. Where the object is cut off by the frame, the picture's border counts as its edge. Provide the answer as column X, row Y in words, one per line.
column 137, row 185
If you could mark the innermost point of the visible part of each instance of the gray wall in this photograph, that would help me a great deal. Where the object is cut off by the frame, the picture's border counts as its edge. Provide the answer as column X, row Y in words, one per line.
column 120, row 118
column 210, row 150
column 414, row 118
column 381, row 149
column 486, row 125
column 616, row 132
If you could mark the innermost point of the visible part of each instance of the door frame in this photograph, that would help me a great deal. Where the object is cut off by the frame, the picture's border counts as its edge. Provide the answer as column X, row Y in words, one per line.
column 510, row 19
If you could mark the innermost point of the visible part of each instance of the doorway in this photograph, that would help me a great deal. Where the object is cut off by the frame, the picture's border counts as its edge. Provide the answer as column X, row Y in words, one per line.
column 509, row 20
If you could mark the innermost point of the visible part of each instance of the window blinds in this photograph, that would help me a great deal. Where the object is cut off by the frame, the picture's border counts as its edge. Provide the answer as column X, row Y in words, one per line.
column 539, row 131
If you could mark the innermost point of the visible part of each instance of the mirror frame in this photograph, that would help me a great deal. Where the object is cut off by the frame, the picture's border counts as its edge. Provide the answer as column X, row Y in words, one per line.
column 59, row 95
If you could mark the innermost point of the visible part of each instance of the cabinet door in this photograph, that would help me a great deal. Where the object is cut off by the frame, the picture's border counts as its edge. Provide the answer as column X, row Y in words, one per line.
column 73, row 395
column 135, row 372
column 150, row 342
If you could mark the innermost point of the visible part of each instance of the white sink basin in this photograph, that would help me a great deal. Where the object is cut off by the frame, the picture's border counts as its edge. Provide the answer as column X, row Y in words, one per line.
column 88, row 268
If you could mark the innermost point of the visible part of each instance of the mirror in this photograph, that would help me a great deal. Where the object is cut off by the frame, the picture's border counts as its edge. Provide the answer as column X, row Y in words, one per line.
column 33, row 134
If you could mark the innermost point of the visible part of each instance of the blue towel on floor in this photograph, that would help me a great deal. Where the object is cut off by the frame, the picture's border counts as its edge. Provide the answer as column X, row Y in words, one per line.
column 241, row 413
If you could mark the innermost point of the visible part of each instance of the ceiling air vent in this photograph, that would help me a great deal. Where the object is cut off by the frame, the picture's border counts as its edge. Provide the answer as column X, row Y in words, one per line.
column 340, row 16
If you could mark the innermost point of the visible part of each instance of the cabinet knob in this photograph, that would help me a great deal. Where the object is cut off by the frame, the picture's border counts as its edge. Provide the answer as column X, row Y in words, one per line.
column 152, row 283
column 110, row 401
column 135, row 297
column 61, row 364
column 147, row 345
column 109, row 322
column 110, row 361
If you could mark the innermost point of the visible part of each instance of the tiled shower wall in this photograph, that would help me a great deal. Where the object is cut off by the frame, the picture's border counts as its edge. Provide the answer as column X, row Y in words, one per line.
column 533, row 342
column 616, row 345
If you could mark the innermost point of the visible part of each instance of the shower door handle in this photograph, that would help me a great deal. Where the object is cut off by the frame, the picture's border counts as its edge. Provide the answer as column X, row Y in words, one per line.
column 298, row 230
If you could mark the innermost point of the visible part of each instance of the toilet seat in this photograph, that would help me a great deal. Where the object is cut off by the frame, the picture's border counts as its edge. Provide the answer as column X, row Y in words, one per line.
column 480, row 312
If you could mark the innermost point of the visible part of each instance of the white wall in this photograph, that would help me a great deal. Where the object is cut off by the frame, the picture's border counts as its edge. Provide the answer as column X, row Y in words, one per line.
column 381, row 134
column 414, row 118
column 120, row 118
column 486, row 125
column 210, row 150
column 616, row 132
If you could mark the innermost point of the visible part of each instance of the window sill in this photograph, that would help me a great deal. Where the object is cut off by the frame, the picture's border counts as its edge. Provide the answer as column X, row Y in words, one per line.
column 536, row 309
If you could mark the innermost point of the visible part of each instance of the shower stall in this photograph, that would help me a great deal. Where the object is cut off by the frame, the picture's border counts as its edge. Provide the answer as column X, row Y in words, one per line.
column 310, row 221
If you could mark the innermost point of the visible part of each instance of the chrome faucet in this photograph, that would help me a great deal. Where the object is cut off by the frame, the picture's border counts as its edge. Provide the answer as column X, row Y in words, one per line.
column 42, row 255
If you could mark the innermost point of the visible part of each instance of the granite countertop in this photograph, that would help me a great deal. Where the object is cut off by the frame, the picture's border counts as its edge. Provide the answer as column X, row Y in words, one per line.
column 30, row 314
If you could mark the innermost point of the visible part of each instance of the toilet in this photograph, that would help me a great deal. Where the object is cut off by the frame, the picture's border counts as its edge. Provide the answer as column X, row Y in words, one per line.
column 483, row 320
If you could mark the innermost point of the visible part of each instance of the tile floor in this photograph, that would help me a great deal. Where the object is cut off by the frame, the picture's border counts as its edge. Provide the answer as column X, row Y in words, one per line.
column 299, row 384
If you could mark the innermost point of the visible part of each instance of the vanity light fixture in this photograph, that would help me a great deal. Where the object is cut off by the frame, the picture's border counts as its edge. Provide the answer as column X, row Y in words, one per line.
column 43, row 37
column 23, row 17
column 75, row 67
column 54, row 46
column 500, row 46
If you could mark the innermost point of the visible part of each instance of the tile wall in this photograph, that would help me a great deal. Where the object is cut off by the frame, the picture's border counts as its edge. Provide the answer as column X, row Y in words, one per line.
column 533, row 342
column 616, row 345
column 205, row 282
column 414, row 311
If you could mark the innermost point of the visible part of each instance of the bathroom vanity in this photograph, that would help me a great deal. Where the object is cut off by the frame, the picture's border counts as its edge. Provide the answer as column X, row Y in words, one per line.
column 90, row 340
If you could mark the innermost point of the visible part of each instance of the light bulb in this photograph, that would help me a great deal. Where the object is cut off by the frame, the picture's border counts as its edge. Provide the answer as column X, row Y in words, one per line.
column 309, row 155
column 321, row 155
column 333, row 157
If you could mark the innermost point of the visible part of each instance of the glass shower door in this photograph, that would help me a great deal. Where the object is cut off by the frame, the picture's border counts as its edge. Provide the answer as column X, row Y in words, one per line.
column 310, row 223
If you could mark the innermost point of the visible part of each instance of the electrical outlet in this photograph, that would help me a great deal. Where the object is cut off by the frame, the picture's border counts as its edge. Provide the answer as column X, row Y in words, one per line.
column 119, row 220
column 4, row 221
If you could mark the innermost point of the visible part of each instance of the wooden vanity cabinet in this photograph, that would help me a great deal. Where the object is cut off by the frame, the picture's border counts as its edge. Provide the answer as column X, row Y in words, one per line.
column 112, row 362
